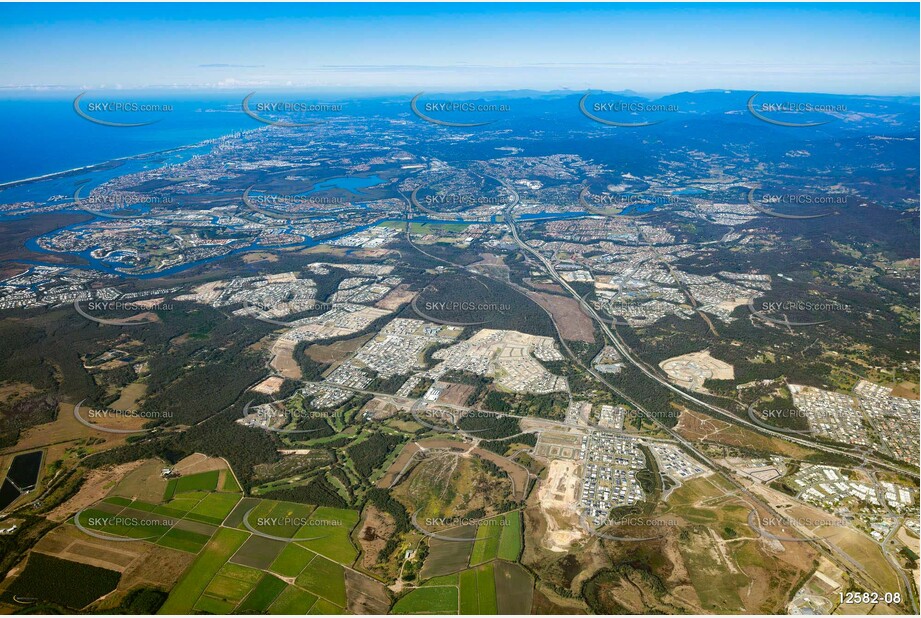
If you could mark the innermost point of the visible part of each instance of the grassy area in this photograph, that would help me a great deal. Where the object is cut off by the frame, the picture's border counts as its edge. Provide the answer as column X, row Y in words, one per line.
column 486, row 589
column 486, row 547
column 324, row 607
column 290, row 562
column 469, row 600
column 443, row 580
column 428, row 600
column 184, row 540
column 293, row 600
column 251, row 582
column 200, row 481
column 417, row 227
column 478, row 590
column 334, row 541
column 324, row 578
column 230, row 482
column 511, row 541
column 214, row 508
column 262, row 596
column 194, row 582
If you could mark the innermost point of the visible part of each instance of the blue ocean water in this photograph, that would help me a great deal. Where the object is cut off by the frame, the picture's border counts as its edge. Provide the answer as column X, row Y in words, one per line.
column 44, row 135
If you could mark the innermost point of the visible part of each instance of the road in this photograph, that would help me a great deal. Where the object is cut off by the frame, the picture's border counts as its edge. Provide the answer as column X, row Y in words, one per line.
column 626, row 353
column 855, row 571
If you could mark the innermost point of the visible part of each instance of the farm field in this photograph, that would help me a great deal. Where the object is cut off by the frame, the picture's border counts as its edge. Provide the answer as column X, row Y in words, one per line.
column 429, row 600
column 449, row 556
column 48, row 579
column 498, row 537
column 233, row 565
column 477, row 590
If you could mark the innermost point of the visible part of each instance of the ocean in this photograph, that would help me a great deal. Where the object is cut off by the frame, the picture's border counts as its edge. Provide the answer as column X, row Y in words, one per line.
column 44, row 135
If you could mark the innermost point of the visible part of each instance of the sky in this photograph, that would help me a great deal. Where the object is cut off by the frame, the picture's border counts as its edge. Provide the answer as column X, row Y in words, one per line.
column 861, row 48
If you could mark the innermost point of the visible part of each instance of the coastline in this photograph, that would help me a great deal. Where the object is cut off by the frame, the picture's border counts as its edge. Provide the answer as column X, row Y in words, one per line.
column 86, row 168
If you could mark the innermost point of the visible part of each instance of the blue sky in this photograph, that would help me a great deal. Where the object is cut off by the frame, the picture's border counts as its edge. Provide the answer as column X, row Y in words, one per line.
column 650, row 48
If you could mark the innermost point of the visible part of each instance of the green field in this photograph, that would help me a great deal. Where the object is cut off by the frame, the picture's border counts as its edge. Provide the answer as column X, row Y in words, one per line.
column 193, row 583
column 181, row 505
column 228, row 589
column 170, row 490
column 193, row 482
column 324, row 578
column 427, row 228
column 510, row 542
column 324, row 607
column 486, row 547
column 279, row 518
column 213, row 606
column 118, row 500
column 181, row 528
column 259, row 552
column 478, row 590
column 486, row 589
column 443, row 580
column 262, row 596
column 232, row 569
column 292, row 600
column 428, row 600
column 469, row 602
column 292, row 560
column 183, row 540
column 214, row 508
column 230, row 482
column 335, row 541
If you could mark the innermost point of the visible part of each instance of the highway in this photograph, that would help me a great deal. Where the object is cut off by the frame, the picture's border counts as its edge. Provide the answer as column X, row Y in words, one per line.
column 856, row 571
column 626, row 353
